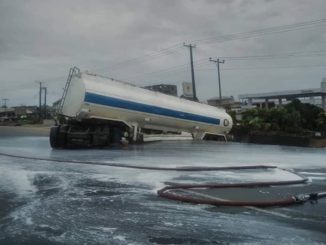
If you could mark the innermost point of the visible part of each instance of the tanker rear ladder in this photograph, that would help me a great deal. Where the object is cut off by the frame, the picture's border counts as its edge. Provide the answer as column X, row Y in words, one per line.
column 72, row 71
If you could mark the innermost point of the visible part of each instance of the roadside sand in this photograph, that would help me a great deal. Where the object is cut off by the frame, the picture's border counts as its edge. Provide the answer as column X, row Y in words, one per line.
column 35, row 130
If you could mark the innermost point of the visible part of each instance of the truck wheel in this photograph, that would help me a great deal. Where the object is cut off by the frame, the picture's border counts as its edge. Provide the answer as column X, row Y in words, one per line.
column 116, row 135
column 56, row 138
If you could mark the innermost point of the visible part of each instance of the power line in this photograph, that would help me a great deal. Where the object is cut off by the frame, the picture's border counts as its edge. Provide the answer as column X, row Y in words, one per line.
column 274, row 67
column 263, row 67
column 220, row 38
column 168, row 69
column 173, row 72
column 154, row 55
column 223, row 38
column 202, row 62
column 278, row 56
column 236, row 68
column 265, row 31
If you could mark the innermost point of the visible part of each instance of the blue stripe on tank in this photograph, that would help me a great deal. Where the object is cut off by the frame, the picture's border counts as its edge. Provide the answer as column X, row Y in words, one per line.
column 140, row 107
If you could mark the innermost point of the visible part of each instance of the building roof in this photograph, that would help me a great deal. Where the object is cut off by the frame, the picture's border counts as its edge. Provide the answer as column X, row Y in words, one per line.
column 284, row 94
column 6, row 109
column 223, row 98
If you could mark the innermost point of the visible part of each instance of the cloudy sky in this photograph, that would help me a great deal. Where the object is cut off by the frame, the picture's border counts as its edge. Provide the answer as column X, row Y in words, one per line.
column 268, row 45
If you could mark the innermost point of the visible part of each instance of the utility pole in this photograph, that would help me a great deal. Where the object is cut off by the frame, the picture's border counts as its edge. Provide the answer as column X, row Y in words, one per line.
column 191, row 46
column 5, row 103
column 218, row 62
column 40, row 101
column 45, row 93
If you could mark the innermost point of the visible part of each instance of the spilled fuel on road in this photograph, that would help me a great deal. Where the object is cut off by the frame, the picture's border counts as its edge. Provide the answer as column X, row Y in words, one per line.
column 49, row 202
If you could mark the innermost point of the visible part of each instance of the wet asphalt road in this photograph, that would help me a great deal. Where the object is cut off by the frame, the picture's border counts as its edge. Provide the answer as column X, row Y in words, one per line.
column 67, row 203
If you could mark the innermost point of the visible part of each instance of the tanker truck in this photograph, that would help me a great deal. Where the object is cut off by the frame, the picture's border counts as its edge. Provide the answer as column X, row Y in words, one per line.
column 97, row 111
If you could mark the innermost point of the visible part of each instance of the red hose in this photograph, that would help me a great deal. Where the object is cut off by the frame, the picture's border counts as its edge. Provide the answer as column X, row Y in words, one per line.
column 165, row 192
column 121, row 165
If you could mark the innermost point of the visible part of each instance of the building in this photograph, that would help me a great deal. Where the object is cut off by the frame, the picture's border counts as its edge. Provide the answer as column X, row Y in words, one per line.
column 229, row 104
column 223, row 102
column 188, row 92
column 7, row 115
column 226, row 102
column 315, row 96
column 164, row 88
column 56, row 105
column 26, row 112
column 188, row 98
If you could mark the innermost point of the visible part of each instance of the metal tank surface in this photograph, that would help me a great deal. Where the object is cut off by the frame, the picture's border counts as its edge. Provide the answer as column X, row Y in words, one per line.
column 100, row 111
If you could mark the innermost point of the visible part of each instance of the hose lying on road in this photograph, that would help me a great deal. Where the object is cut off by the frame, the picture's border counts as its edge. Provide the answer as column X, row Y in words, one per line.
column 167, row 192
column 212, row 200
column 122, row 165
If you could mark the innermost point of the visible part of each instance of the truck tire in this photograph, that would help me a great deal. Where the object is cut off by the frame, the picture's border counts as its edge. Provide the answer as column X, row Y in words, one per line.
column 56, row 138
column 116, row 135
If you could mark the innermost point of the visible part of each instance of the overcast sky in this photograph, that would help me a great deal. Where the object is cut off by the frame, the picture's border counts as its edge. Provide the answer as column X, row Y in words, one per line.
column 140, row 41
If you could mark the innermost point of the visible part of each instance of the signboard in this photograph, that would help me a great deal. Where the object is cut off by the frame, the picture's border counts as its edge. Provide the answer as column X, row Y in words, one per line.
column 187, row 89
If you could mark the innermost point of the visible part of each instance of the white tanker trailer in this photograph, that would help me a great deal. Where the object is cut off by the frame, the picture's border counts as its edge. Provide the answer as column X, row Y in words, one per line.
column 98, row 111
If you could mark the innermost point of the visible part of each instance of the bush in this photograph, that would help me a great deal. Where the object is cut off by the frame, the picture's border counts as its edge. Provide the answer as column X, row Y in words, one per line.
column 295, row 117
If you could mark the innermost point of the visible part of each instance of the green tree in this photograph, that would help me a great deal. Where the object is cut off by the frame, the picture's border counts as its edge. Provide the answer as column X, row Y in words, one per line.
column 321, row 122
column 295, row 117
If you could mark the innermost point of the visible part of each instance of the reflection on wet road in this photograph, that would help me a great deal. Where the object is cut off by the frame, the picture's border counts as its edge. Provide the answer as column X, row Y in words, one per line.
column 66, row 203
